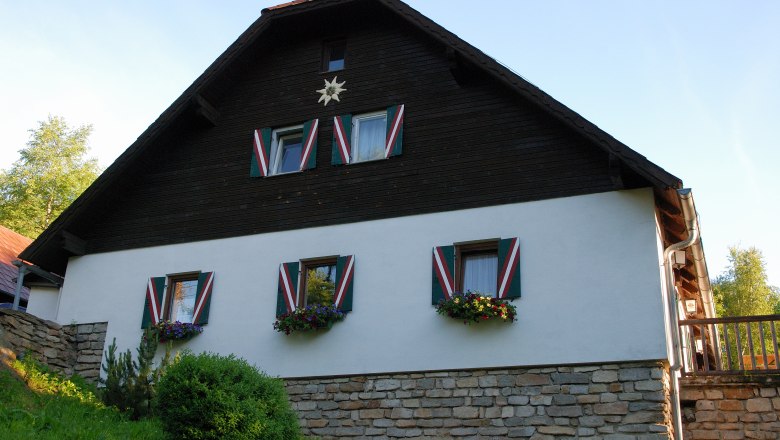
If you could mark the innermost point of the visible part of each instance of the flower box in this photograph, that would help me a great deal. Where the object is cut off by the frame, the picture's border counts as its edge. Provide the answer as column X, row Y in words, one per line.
column 174, row 331
column 308, row 318
column 474, row 308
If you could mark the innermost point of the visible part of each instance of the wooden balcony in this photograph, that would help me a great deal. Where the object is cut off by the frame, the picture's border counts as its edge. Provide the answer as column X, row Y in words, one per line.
column 722, row 346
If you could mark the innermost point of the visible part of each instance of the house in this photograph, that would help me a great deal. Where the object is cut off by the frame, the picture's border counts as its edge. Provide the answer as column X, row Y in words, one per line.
column 359, row 142
column 11, row 244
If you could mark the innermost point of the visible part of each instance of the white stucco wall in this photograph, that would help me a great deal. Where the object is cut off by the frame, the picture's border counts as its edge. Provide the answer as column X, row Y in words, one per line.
column 590, row 284
column 43, row 302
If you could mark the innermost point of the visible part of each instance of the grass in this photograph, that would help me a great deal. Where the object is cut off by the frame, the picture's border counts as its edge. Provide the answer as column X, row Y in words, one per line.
column 38, row 404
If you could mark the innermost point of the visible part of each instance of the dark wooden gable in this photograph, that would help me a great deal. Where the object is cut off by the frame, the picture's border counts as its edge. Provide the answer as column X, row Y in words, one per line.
column 469, row 141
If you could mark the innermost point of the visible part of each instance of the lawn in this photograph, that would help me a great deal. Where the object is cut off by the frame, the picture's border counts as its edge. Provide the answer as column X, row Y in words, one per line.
column 36, row 404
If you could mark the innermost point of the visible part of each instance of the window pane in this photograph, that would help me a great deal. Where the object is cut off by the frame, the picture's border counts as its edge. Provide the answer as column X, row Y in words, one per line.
column 335, row 52
column 320, row 284
column 480, row 273
column 291, row 148
column 371, row 138
column 184, row 300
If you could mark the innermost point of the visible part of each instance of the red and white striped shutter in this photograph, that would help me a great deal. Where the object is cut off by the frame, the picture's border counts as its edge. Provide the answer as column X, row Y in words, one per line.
column 509, row 268
column 287, row 293
column 443, row 282
column 153, row 305
column 345, row 270
column 309, row 153
column 395, row 130
column 342, row 132
column 203, row 298
column 261, row 152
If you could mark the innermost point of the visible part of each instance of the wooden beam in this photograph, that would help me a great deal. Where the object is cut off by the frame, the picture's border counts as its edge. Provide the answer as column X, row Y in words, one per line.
column 616, row 172
column 73, row 244
column 460, row 72
column 205, row 111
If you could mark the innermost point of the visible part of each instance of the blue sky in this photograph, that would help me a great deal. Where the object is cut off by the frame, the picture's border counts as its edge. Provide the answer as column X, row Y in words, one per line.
column 693, row 86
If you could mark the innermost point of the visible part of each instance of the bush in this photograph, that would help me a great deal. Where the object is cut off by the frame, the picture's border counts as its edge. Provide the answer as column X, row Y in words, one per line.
column 208, row 396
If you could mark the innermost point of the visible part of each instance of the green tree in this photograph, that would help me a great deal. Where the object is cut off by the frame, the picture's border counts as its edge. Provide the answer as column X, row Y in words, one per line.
column 743, row 289
column 51, row 172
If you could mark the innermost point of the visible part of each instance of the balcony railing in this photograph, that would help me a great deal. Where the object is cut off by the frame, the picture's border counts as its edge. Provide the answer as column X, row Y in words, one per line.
column 739, row 345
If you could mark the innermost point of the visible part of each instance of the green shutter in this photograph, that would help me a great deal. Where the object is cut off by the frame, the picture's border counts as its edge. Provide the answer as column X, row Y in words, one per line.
column 345, row 272
column 443, row 271
column 203, row 298
column 342, row 140
column 508, row 268
column 261, row 153
column 395, row 130
column 287, row 291
column 153, row 305
column 309, row 152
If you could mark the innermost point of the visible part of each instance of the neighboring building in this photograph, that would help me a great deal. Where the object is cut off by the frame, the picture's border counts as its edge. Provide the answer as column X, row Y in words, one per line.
column 436, row 170
column 11, row 244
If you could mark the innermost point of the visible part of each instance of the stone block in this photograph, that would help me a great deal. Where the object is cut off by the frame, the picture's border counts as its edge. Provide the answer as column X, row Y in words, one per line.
column 387, row 384
column 465, row 412
column 611, row 408
column 633, row 374
column 760, row 404
column 592, row 421
column 564, row 399
column 557, row 430
column 564, row 411
column 600, row 376
column 488, row 381
column 532, row 379
column 729, row 405
column 522, row 400
column 570, row 378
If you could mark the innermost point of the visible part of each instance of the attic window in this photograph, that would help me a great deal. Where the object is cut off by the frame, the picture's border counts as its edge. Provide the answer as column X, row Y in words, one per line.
column 333, row 55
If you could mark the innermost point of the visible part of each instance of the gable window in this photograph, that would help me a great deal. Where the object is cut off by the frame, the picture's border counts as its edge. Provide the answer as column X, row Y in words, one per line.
column 333, row 55
column 323, row 281
column 368, row 136
column 490, row 267
column 284, row 150
column 181, row 297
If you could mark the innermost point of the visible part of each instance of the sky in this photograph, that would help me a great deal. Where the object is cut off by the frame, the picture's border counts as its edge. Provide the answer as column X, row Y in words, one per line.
column 694, row 86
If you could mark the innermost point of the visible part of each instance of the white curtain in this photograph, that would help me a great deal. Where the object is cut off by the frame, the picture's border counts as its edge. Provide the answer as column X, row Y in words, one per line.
column 184, row 300
column 371, row 138
column 480, row 273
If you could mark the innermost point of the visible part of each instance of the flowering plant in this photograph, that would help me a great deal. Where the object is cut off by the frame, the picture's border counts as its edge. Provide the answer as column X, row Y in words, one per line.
column 172, row 331
column 473, row 307
column 311, row 317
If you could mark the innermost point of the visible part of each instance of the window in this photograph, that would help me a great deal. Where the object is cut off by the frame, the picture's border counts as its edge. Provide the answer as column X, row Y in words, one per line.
column 368, row 136
column 477, row 268
column 284, row 150
column 182, row 290
column 315, row 281
column 490, row 267
column 333, row 55
column 181, row 297
column 318, row 284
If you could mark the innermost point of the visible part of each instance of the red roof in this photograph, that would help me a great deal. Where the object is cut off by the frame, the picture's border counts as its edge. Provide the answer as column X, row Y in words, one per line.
column 11, row 245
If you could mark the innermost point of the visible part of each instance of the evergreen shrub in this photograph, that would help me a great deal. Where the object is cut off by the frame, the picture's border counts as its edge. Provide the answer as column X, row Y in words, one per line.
column 208, row 396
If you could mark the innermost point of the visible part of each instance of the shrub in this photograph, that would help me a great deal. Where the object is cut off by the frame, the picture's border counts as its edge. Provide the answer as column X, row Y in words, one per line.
column 208, row 396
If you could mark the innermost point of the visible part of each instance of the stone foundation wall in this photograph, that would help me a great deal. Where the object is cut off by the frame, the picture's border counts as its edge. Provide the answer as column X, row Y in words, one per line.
column 69, row 349
column 610, row 401
column 728, row 408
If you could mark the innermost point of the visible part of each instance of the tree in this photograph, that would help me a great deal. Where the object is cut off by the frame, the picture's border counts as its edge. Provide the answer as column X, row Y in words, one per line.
column 743, row 289
column 51, row 172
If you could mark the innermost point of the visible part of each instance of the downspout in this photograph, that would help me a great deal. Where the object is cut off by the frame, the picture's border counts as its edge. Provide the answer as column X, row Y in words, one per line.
column 670, row 305
column 19, row 285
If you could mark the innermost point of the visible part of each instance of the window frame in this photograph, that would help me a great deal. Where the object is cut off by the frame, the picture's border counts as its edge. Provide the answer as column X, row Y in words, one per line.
column 168, row 299
column 304, row 275
column 327, row 50
column 473, row 248
column 355, row 137
column 276, row 148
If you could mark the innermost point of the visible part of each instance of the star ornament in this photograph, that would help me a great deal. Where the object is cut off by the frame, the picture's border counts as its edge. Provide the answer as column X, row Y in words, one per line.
column 331, row 91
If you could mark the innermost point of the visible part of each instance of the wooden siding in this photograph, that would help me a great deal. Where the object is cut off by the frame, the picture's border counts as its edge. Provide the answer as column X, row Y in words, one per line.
column 464, row 146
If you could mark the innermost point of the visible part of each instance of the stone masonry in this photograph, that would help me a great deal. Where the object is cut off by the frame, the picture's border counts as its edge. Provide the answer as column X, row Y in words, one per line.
column 731, row 408
column 68, row 349
column 610, row 401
